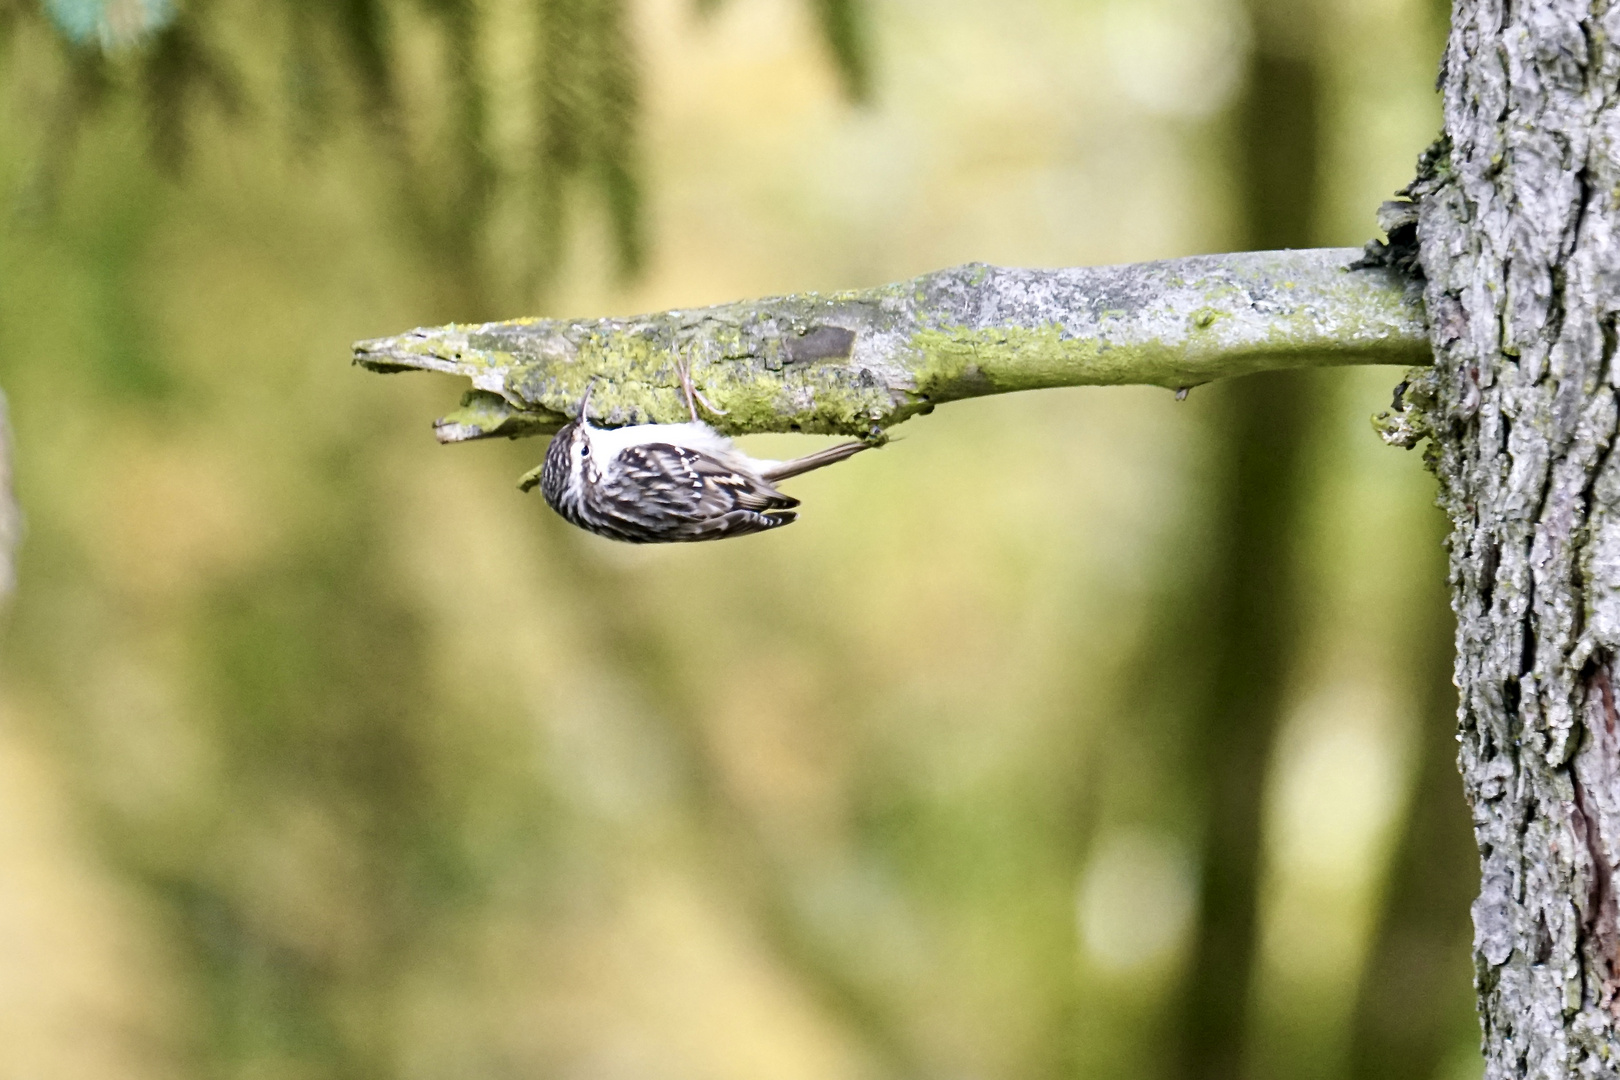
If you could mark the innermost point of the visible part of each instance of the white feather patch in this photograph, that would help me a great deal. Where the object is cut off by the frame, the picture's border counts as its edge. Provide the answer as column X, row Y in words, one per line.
column 608, row 443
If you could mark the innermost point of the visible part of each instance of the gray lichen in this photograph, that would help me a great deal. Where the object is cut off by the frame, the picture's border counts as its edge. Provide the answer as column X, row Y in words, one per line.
column 862, row 361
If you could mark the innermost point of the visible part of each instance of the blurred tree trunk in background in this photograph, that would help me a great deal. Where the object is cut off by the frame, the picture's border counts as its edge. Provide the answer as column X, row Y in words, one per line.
column 10, row 515
column 1414, row 1005
column 1249, row 602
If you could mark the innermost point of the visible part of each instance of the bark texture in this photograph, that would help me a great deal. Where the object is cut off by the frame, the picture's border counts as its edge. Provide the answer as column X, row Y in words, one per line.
column 1518, row 226
column 849, row 363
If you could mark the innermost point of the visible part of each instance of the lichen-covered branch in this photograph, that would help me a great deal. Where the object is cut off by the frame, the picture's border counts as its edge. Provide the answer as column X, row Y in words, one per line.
column 855, row 362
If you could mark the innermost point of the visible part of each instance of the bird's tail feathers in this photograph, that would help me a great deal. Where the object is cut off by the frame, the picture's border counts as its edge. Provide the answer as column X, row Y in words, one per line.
column 782, row 470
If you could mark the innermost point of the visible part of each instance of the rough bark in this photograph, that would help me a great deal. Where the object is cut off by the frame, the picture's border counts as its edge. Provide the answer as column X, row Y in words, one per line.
column 1518, row 240
column 852, row 362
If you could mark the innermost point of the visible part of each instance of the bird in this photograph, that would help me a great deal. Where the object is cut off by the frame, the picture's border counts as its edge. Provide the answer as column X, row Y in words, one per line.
column 668, row 483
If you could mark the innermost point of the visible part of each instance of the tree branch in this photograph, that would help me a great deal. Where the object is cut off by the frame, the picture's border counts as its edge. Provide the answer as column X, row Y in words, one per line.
column 856, row 362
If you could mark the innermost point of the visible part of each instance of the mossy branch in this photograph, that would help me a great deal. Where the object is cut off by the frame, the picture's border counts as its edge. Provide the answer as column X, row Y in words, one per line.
column 857, row 362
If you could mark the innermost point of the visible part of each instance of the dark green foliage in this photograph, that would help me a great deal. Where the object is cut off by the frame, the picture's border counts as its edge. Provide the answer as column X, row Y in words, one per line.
column 342, row 60
column 587, row 108
column 178, row 67
column 840, row 22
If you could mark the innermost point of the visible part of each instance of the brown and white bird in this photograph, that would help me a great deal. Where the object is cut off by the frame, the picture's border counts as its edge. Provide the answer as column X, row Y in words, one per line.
column 668, row 483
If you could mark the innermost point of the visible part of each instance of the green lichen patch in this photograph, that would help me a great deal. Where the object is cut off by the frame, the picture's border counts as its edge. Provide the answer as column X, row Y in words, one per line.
column 483, row 415
column 958, row 362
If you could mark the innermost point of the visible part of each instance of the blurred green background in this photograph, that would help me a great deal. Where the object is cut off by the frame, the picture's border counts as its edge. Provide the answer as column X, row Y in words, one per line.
column 1077, row 734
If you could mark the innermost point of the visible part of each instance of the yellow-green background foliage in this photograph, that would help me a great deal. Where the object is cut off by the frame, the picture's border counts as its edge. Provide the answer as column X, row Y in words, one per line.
column 326, row 753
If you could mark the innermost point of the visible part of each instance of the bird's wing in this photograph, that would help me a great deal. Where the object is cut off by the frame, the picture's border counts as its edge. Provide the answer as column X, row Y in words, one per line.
column 665, row 483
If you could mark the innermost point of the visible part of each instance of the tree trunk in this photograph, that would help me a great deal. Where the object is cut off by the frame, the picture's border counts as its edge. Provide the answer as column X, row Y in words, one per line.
column 1518, row 213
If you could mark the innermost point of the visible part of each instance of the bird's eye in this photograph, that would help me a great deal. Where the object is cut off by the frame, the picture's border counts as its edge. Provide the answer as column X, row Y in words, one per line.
column 584, row 449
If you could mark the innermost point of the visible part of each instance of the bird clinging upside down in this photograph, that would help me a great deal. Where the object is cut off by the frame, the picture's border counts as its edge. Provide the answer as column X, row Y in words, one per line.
column 668, row 483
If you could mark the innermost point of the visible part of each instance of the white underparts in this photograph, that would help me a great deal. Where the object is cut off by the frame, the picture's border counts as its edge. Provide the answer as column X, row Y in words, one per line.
column 608, row 443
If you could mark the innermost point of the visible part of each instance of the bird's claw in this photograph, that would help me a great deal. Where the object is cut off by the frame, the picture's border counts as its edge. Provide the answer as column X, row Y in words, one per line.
column 683, row 368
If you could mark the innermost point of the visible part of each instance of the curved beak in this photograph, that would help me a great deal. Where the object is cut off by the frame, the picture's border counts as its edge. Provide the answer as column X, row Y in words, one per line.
column 585, row 400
